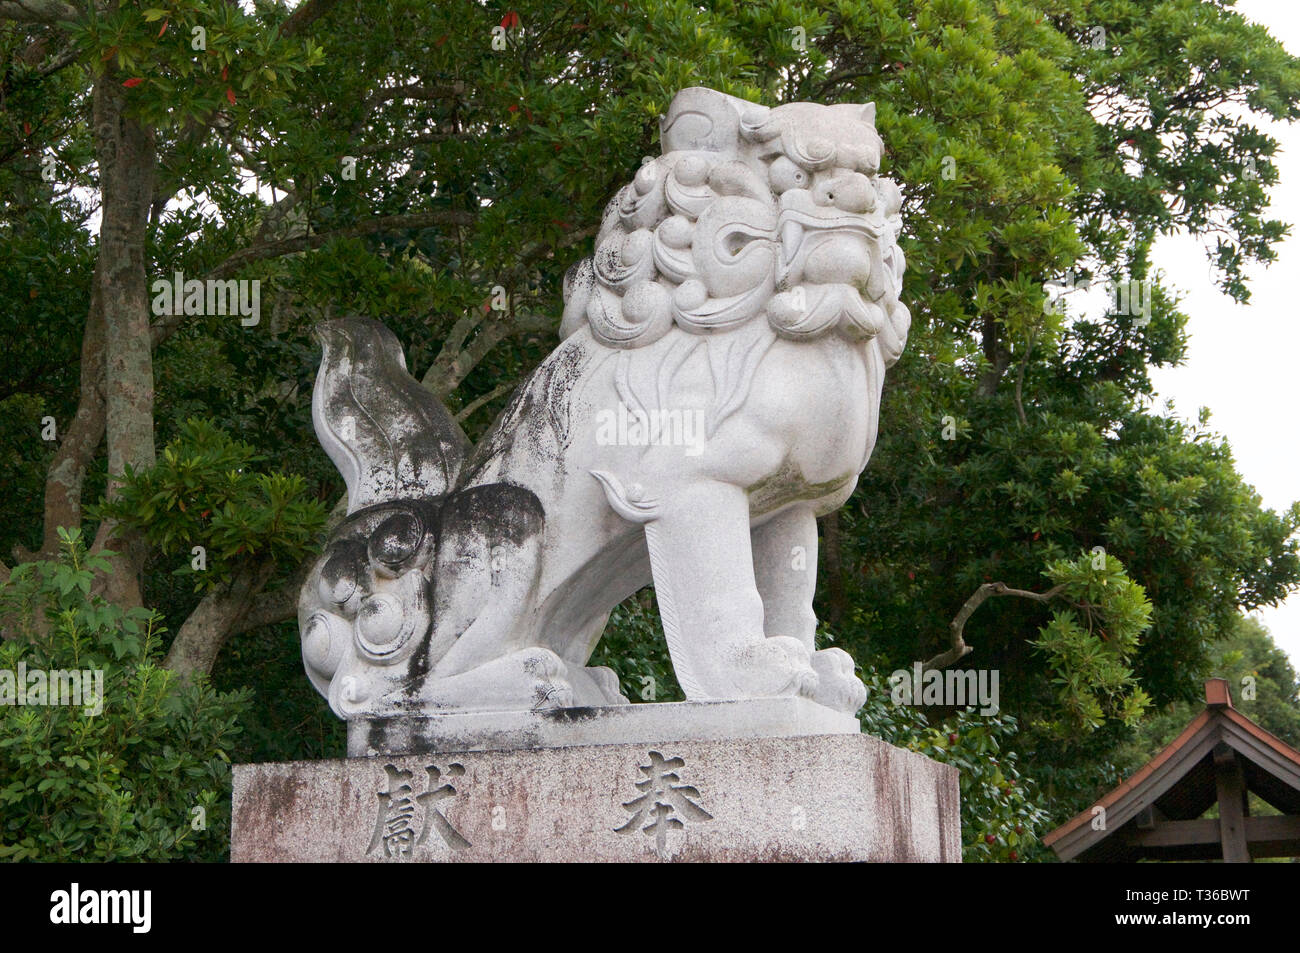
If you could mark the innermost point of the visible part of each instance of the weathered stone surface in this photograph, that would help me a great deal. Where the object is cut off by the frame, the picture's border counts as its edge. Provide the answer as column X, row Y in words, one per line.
column 814, row 798
column 615, row 724
column 716, row 388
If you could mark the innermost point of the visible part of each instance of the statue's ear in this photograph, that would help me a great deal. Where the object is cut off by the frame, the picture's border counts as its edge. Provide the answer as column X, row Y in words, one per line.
column 867, row 113
column 700, row 118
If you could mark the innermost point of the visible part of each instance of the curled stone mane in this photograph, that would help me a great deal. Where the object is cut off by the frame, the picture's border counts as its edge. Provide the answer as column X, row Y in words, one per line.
column 704, row 239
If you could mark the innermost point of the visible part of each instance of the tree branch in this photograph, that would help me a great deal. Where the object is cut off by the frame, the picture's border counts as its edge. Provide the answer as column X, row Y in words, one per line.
column 386, row 223
column 307, row 14
column 38, row 11
column 490, row 396
column 981, row 595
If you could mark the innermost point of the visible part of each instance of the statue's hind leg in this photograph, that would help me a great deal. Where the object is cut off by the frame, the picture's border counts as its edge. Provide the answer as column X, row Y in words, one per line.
column 785, row 570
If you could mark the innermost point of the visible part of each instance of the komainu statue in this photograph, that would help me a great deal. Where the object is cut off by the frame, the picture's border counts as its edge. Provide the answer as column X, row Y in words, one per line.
column 716, row 389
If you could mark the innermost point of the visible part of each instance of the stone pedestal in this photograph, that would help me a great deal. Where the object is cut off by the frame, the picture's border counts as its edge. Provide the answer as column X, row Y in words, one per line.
column 601, row 789
column 658, row 722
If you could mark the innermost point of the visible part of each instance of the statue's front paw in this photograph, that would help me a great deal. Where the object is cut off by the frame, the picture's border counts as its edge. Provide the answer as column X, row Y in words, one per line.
column 544, row 679
column 774, row 666
column 530, row 679
column 837, row 685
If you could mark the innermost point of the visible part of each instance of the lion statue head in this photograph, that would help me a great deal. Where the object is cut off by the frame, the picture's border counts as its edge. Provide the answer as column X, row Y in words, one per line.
column 750, row 214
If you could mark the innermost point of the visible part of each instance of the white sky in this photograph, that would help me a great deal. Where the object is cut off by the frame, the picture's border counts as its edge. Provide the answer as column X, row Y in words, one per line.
column 1242, row 358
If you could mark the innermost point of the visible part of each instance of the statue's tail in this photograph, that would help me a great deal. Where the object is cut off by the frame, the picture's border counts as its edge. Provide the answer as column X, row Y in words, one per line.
column 389, row 437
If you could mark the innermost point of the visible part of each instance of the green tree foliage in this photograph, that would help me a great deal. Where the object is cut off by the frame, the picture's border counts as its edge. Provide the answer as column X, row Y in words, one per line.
column 205, row 493
column 1089, row 645
column 146, row 778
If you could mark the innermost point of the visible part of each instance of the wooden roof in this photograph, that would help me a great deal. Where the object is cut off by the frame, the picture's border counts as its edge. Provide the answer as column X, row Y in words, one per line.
column 1154, row 814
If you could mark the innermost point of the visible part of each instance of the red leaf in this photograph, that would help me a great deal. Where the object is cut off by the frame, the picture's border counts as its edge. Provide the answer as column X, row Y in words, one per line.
column 230, row 95
column 108, row 52
column 27, row 129
column 225, row 72
column 440, row 40
column 510, row 20
column 163, row 29
column 133, row 82
column 514, row 109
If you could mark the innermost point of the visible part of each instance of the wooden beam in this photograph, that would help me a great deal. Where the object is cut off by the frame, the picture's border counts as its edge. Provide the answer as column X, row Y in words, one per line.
column 1279, row 832
column 1149, row 817
column 1231, row 788
column 1176, row 834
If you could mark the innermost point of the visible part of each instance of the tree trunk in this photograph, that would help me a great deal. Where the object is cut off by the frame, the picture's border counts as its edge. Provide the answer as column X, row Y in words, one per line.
column 997, row 355
column 214, row 619
column 127, row 159
column 67, row 472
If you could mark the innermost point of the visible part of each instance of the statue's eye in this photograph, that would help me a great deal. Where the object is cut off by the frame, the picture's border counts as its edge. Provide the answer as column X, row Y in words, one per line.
column 785, row 175
column 395, row 540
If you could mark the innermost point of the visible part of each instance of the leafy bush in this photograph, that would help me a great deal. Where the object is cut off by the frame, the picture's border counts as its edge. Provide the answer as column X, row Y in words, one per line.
column 1001, row 817
column 204, row 491
column 147, row 778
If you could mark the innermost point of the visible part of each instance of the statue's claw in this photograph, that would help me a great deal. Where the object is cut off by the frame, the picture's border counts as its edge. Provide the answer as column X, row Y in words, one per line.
column 838, row 686
column 775, row 666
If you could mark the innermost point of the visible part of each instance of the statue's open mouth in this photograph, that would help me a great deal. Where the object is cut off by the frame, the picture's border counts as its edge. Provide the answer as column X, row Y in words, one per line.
column 855, row 262
column 794, row 227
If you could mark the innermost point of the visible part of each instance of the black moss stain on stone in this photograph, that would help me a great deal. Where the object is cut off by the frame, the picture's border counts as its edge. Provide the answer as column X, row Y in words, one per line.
column 537, row 416
column 578, row 713
column 497, row 512
column 382, row 398
column 352, row 537
column 377, row 735
column 494, row 514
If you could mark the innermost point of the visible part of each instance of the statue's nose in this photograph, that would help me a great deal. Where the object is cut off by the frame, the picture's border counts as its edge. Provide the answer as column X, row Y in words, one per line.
column 847, row 191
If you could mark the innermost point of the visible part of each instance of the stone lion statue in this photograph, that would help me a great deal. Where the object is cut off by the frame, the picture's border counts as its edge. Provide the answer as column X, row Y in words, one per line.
column 716, row 389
